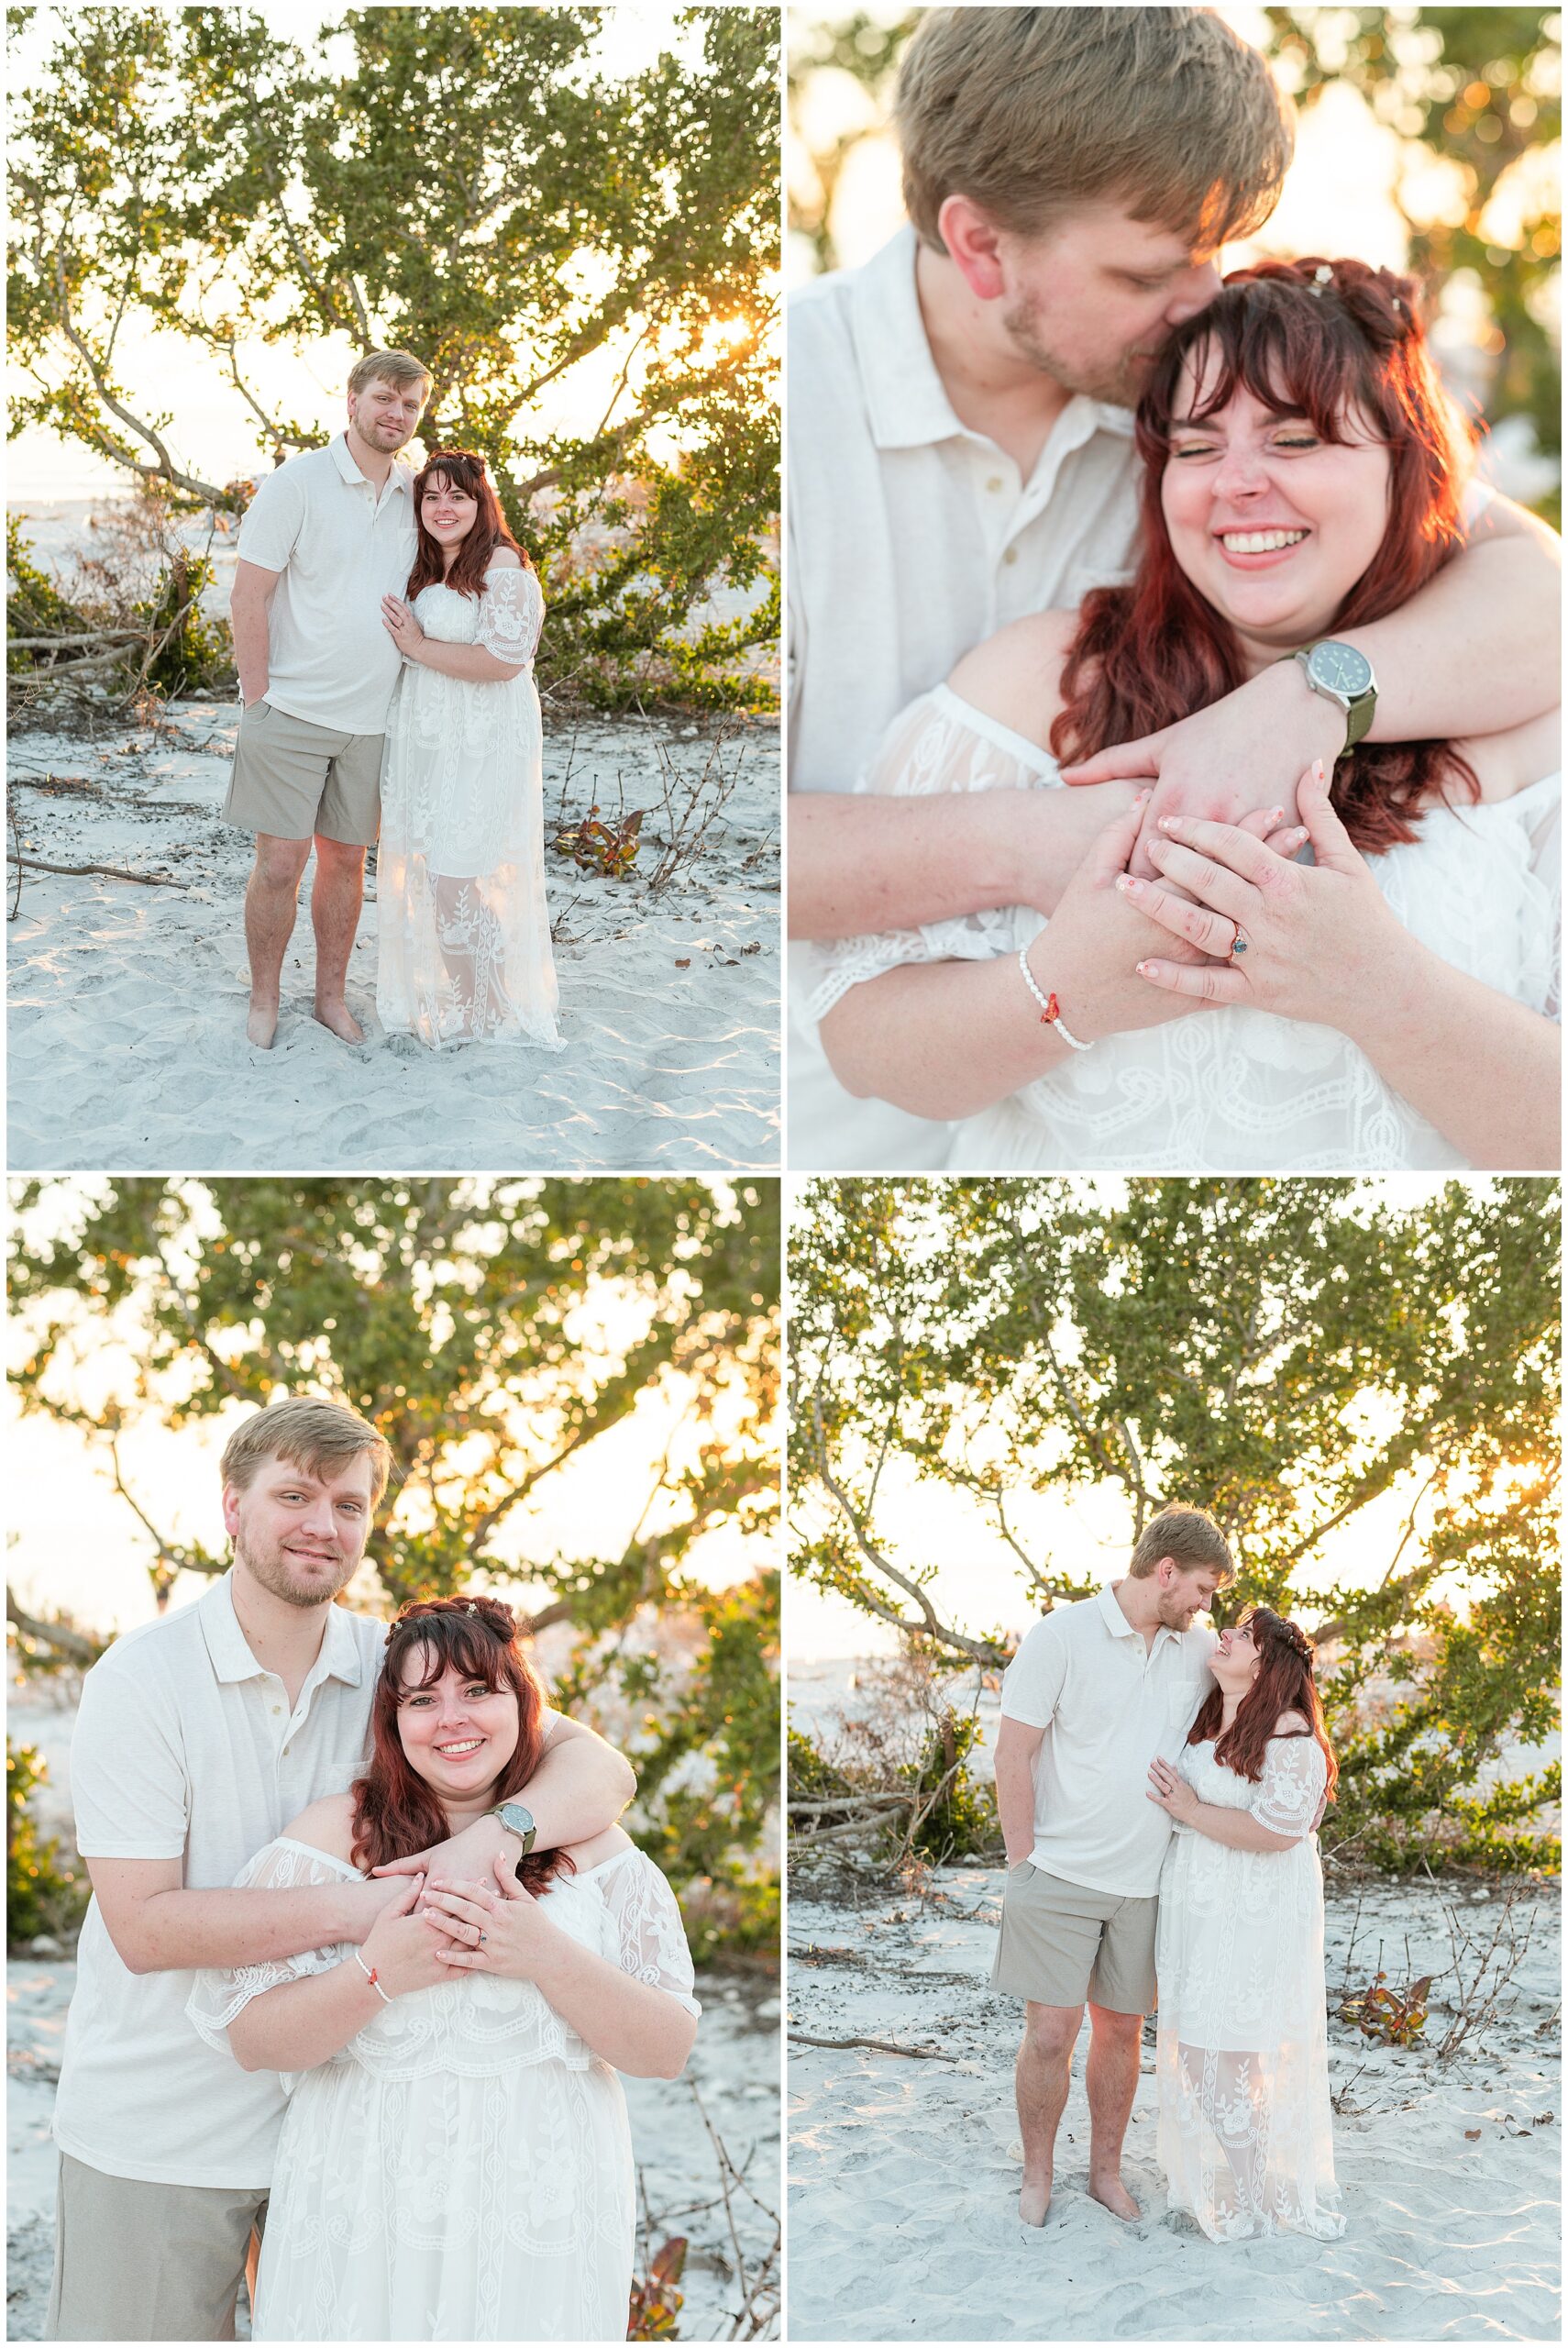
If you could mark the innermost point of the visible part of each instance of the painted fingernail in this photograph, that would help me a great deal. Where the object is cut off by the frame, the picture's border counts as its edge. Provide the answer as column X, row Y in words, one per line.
column 1318, row 768
column 1141, row 801
column 1130, row 887
column 1169, row 823
column 1277, row 814
column 1147, row 970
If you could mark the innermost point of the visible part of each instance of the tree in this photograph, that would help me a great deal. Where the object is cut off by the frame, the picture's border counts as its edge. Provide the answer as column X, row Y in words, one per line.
column 492, row 1331
column 1282, row 1352
column 473, row 184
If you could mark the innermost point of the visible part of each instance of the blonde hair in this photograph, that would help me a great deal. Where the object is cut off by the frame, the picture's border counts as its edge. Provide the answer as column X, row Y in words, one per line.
column 1034, row 111
column 1191, row 1537
column 389, row 367
column 316, row 1437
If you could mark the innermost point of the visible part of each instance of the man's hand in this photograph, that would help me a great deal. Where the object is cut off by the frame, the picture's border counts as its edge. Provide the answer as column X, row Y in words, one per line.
column 469, row 1855
column 1227, row 762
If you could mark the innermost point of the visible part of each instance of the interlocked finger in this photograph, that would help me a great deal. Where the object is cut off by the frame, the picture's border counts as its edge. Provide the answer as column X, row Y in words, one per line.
column 1211, row 933
column 1211, row 884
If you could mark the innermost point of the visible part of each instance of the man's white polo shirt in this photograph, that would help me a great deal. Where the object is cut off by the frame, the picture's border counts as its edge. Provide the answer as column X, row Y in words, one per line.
column 340, row 546
column 185, row 1748
column 1107, row 1705
column 912, row 539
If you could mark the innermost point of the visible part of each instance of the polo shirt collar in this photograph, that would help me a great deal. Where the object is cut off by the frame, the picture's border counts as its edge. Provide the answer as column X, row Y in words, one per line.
column 907, row 406
column 401, row 477
column 231, row 1657
column 1116, row 1622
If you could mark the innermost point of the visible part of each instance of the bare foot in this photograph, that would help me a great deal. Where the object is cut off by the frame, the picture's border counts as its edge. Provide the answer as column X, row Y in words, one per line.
column 1115, row 2197
column 341, row 1019
column 1033, row 2201
column 261, row 1024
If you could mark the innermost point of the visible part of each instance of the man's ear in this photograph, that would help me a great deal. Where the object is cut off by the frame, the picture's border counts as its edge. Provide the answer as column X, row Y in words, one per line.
column 230, row 1510
column 973, row 241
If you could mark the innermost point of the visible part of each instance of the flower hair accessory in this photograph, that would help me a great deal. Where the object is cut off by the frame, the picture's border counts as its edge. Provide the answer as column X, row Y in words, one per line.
column 1323, row 275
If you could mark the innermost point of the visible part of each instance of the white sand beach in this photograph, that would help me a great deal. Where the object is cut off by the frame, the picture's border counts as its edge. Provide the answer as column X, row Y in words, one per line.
column 904, row 2171
column 127, row 1034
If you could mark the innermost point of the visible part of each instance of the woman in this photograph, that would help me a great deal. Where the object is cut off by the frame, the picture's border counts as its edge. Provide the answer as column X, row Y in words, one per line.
column 1244, row 2134
column 1381, row 1006
column 463, row 927
column 454, row 2162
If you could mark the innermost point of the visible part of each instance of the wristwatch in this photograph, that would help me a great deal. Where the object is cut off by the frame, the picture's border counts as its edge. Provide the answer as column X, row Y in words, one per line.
column 1343, row 675
column 517, row 1820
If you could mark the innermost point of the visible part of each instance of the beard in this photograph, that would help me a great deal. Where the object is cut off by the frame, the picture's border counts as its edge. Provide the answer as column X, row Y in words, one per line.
column 1115, row 377
column 286, row 1577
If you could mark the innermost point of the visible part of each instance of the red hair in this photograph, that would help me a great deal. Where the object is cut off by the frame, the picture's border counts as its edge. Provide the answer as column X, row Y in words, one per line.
column 1337, row 343
column 395, row 1812
column 455, row 468
column 1283, row 1684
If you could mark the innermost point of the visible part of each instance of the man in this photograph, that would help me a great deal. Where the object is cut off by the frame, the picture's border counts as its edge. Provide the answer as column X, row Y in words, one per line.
column 199, row 1738
column 324, row 538
column 961, row 455
column 1095, row 1692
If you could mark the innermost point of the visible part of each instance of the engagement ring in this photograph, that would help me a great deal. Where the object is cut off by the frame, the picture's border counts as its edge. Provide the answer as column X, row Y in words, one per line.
column 1238, row 943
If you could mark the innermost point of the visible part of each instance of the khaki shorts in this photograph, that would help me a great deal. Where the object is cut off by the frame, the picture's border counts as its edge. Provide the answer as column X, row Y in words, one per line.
column 1061, row 1943
column 134, row 2261
column 294, row 779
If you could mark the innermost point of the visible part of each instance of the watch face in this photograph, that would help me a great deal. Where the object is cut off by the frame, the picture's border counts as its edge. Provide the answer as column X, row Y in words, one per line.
column 1341, row 668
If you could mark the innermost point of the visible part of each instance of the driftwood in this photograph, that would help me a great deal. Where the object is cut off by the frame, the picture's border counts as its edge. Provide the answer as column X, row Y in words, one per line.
column 851, row 1802
column 113, row 871
column 882, row 2046
column 70, row 643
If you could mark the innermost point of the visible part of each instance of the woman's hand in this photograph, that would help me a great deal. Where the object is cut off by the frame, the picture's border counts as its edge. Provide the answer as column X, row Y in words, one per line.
column 404, row 1948
column 401, row 627
column 1314, row 942
column 1172, row 1792
column 503, row 1929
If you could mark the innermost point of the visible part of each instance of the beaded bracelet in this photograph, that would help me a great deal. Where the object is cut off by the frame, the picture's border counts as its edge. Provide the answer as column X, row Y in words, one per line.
column 1050, row 1010
column 370, row 1973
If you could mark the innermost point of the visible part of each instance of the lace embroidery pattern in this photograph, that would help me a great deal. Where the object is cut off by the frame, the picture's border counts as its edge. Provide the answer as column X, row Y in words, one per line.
column 1245, row 2132
column 463, row 925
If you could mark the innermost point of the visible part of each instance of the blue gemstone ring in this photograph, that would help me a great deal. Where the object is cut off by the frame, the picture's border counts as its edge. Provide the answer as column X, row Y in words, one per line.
column 1238, row 943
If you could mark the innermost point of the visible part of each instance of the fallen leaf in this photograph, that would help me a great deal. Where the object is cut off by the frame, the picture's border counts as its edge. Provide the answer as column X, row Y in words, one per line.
column 683, row 962
column 1472, row 2135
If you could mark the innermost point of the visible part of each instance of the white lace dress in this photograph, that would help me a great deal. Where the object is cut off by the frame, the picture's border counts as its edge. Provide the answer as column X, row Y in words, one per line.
column 1245, row 2137
column 463, row 930
column 1227, row 1092
column 462, row 2170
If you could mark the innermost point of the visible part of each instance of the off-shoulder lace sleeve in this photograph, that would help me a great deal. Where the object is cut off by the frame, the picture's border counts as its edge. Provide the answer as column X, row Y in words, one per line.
column 1291, row 1786
column 511, row 614
column 650, row 1936
column 940, row 743
column 217, row 1997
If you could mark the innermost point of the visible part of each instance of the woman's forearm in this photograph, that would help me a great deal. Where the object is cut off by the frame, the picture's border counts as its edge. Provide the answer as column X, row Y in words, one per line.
column 863, row 862
column 633, row 2025
column 301, row 2024
column 1237, row 1829
column 471, row 663
column 1481, row 1067
column 1479, row 649
column 942, row 1039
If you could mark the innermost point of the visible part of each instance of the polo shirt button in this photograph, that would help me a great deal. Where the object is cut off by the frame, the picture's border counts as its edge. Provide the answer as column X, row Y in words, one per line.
column 1012, row 555
column 276, row 1709
column 994, row 483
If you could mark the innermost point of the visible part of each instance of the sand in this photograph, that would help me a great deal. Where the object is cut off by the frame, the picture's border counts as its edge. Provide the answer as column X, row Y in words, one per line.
column 904, row 2171
column 127, row 1034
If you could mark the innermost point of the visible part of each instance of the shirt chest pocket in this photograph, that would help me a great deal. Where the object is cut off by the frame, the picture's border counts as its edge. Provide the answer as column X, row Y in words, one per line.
column 1181, row 1703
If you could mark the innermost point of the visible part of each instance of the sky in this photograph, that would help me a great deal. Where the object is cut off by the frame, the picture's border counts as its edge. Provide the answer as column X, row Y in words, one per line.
column 977, row 1579
column 214, row 436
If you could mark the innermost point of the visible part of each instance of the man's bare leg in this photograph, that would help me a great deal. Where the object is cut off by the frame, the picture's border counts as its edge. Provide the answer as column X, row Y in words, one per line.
column 1110, row 2075
column 1040, row 2078
column 335, row 901
column 271, row 899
